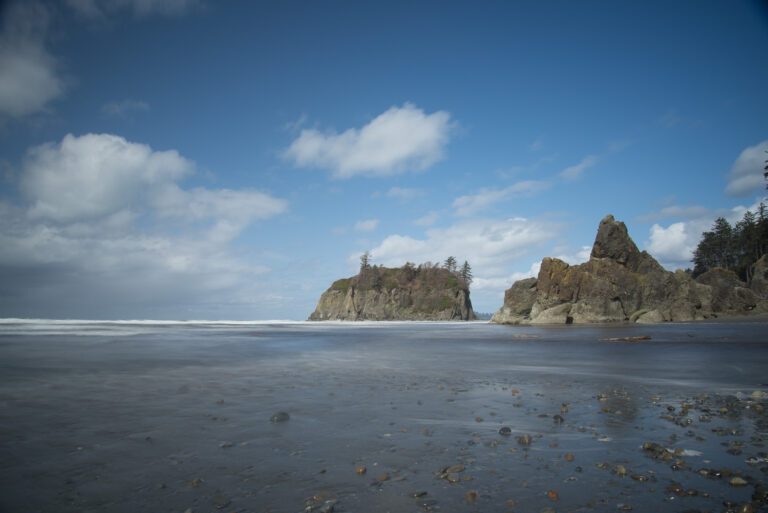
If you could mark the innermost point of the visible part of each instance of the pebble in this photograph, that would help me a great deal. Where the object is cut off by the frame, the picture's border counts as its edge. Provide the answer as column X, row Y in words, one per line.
column 738, row 481
column 361, row 470
column 505, row 431
column 568, row 456
column 553, row 495
column 470, row 496
column 454, row 469
column 280, row 416
column 524, row 440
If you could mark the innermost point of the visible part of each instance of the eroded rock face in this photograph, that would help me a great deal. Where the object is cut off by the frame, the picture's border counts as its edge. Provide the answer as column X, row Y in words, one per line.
column 620, row 283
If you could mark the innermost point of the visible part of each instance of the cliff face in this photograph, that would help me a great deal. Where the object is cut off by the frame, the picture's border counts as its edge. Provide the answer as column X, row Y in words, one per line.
column 407, row 293
column 620, row 283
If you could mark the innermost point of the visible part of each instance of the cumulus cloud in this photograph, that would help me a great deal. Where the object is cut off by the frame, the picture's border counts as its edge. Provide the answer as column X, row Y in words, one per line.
column 746, row 176
column 673, row 245
column 93, row 175
column 494, row 248
column 575, row 172
column 105, row 221
column 368, row 225
column 398, row 140
column 471, row 204
column 29, row 77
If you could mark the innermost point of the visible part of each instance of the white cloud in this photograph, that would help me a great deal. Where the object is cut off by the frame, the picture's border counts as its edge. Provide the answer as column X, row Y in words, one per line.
column 106, row 223
column 124, row 108
column 494, row 248
column 673, row 245
column 93, row 175
column 489, row 245
column 398, row 140
column 403, row 194
column 29, row 79
column 746, row 176
column 427, row 220
column 575, row 172
column 368, row 225
column 472, row 203
column 574, row 258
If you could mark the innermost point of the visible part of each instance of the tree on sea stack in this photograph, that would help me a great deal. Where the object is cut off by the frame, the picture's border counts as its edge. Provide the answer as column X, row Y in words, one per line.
column 365, row 262
column 466, row 273
column 450, row 264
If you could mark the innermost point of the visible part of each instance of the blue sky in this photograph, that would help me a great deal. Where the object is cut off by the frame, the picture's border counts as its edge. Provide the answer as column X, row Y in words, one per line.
column 228, row 160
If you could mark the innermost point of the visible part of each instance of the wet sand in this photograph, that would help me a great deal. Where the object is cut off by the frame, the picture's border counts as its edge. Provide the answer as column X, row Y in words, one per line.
column 176, row 417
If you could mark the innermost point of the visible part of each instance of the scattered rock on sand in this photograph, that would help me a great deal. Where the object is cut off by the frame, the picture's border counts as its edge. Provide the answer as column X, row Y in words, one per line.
column 280, row 416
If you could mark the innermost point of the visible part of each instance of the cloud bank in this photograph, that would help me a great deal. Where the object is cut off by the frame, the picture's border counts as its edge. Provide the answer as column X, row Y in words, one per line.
column 105, row 221
column 29, row 77
column 398, row 140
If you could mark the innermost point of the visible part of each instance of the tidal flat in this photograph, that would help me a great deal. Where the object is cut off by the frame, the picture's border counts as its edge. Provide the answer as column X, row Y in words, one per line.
column 382, row 417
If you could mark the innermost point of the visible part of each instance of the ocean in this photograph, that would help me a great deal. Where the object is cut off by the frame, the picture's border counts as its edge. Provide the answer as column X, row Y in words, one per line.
column 129, row 416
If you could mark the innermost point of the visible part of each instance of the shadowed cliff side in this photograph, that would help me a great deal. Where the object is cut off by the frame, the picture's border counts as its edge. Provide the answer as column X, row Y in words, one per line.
column 620, row 283
column 392, row 294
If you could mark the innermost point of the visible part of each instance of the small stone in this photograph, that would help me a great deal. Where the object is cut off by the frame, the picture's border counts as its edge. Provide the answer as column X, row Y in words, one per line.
column 478, row 419
column 568, row 456
column 746, row 508
column 505, row 431
column 524, row 440
column 621, row 470
column 361, row 470
column 553, row 495
column 470, row 496
column 738, row 481
column 558, row 419
column 280, row 416
column 195, row 482
column 419, row 494
column 455, row 468
column 383, row 478
column 453, row 478
column 625, row 507
column 225, row 445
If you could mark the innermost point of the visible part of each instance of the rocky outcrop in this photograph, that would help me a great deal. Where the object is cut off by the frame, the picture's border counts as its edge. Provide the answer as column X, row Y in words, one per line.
column 621, row 283
column 407, row 293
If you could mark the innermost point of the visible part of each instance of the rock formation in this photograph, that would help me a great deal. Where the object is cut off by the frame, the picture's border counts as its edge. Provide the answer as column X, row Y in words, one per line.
column 406, row 293
column 620, row 283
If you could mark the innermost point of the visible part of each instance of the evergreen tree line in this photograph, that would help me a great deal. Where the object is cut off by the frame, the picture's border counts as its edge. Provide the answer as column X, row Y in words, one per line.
column 735, row 247
column 372, row 272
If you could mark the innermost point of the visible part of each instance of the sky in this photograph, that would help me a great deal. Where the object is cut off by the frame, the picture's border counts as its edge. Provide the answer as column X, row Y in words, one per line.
column 191, row 159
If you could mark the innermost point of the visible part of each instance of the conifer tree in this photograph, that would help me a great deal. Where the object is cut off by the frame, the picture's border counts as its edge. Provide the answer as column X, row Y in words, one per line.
column 450, row 264
column 466, row 273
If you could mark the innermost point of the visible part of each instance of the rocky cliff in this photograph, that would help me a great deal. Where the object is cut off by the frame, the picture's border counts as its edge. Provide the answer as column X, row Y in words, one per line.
column 620, row 283
column 406, row 293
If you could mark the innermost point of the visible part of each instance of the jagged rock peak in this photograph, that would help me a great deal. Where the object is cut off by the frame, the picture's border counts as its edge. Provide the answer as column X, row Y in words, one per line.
column 613, row 241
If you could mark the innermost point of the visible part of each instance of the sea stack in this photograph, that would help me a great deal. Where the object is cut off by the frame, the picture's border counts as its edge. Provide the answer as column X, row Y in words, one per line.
column 620, row 283
column 408, row 293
